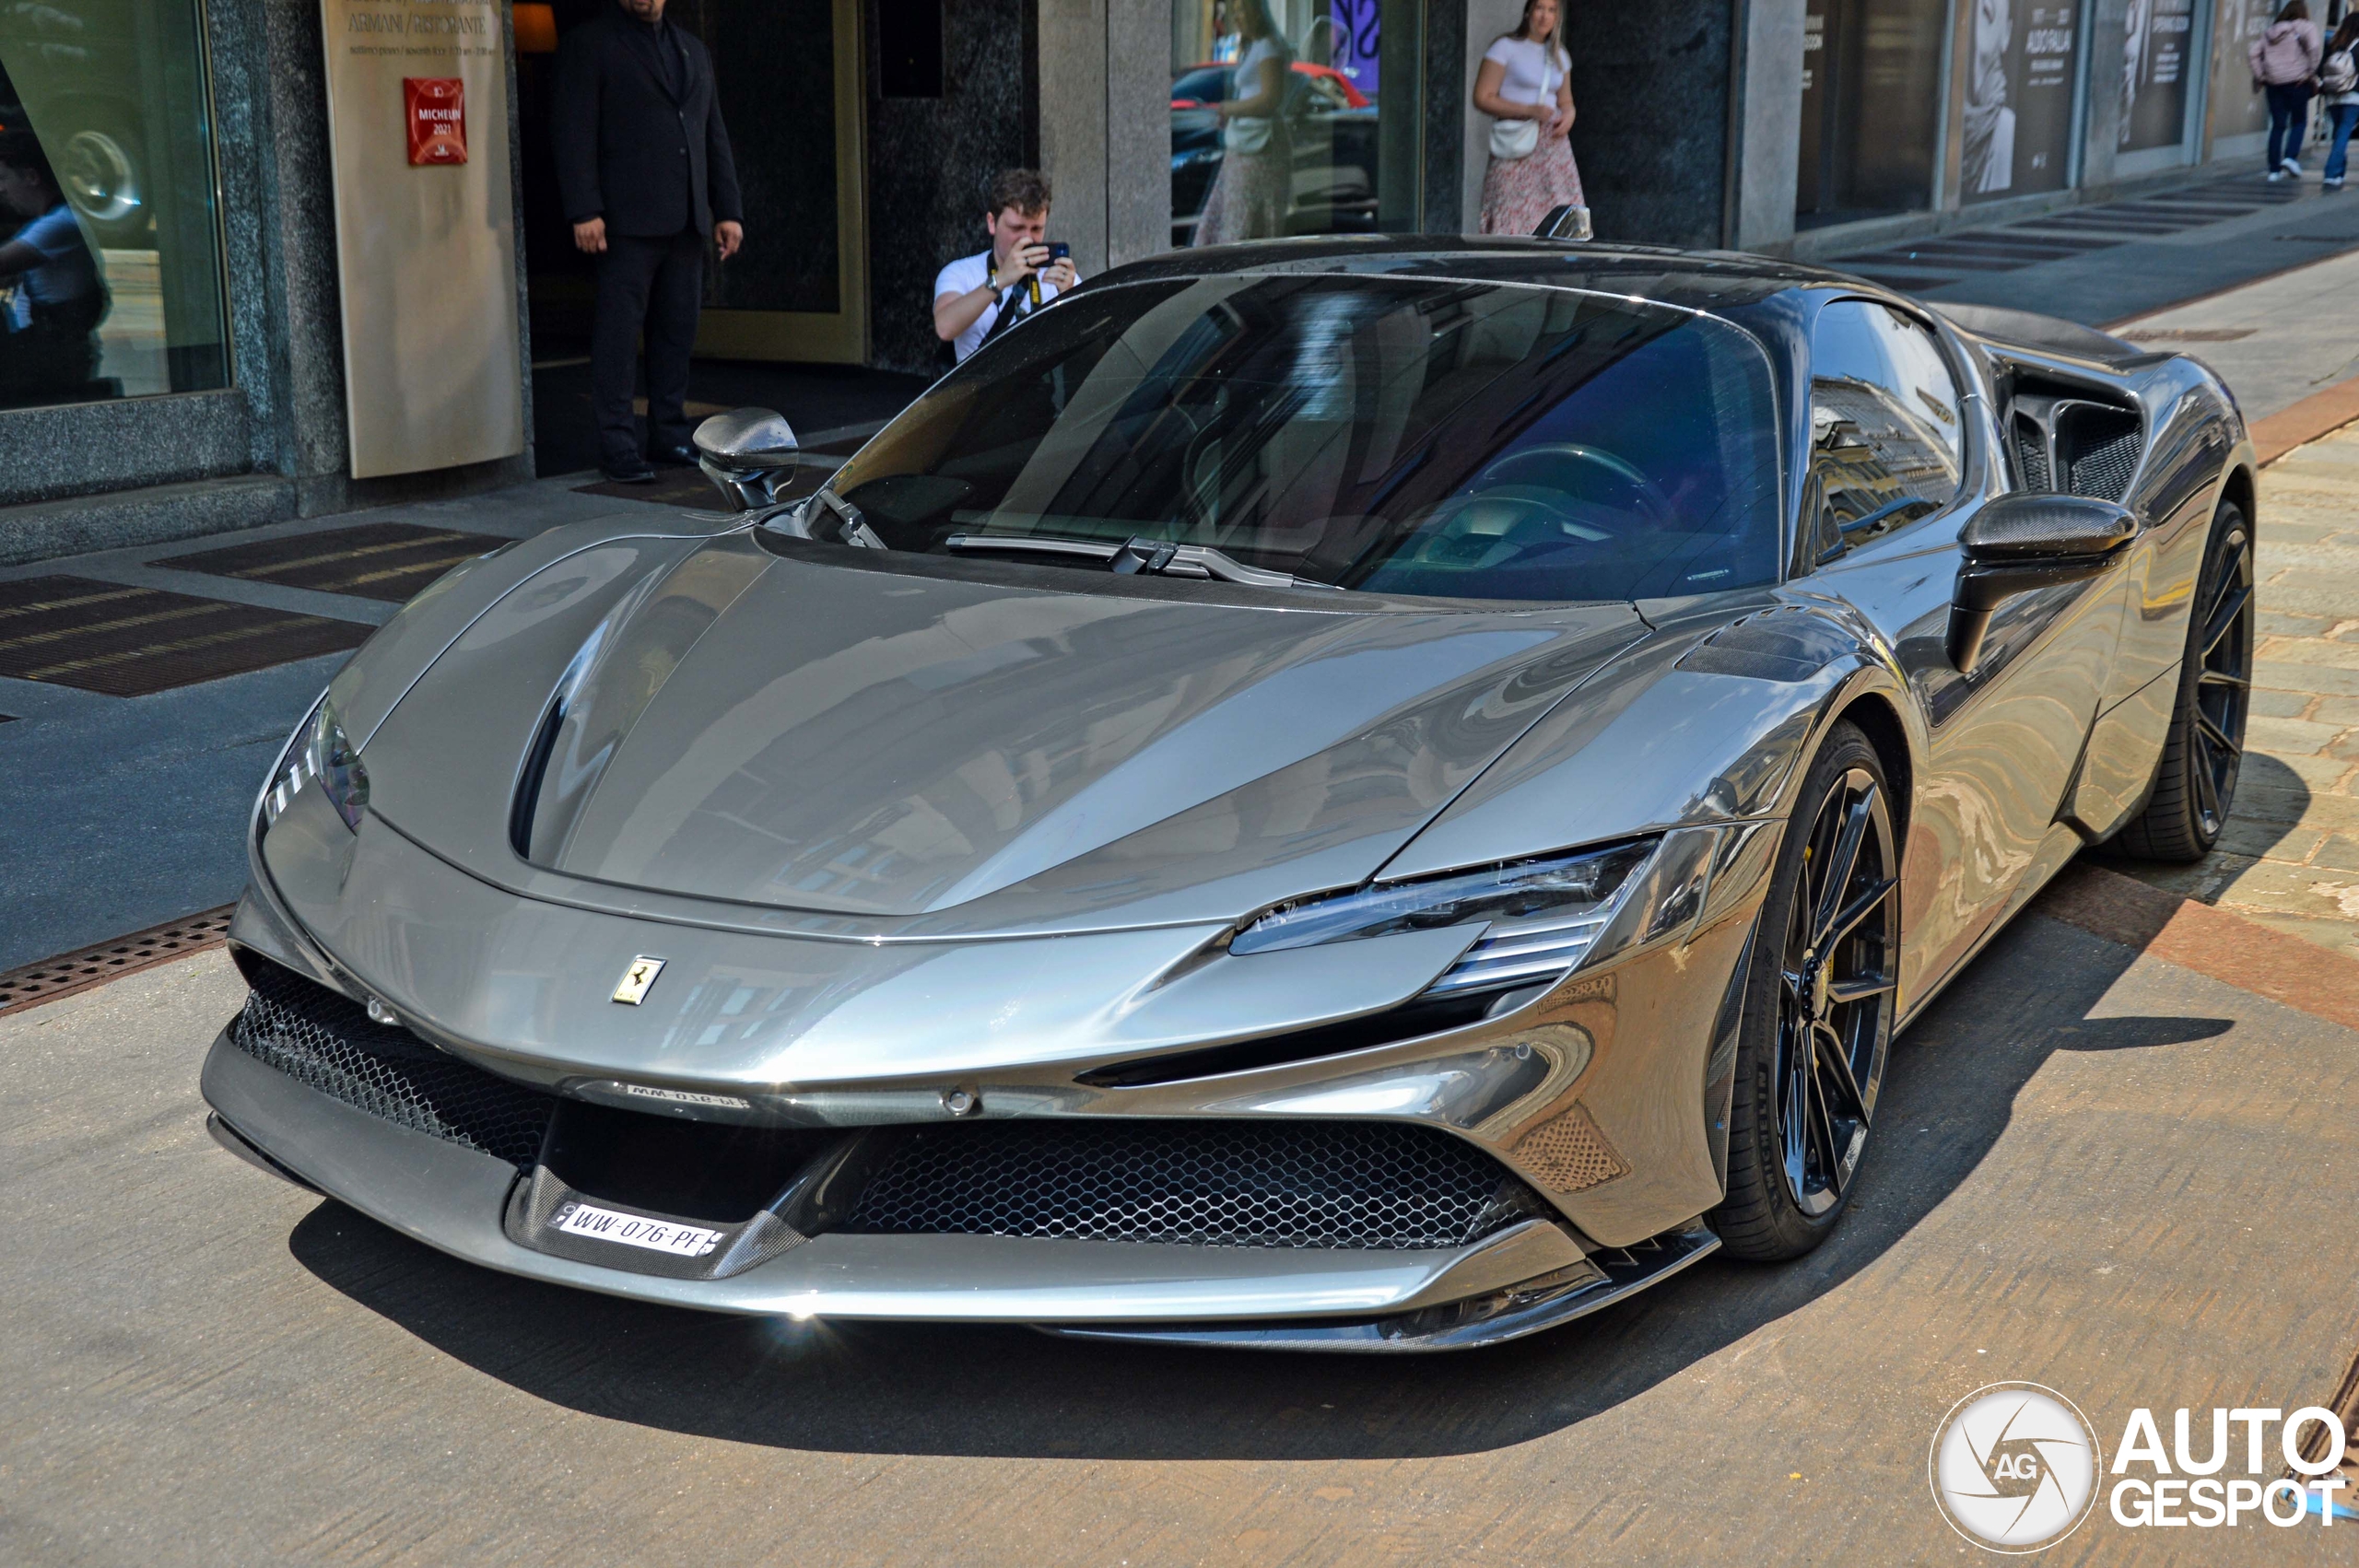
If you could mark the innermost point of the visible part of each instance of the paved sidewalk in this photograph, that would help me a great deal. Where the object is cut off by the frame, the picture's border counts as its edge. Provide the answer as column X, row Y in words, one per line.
column 2290, row 858
column 2276, row 341
column 2103, row 262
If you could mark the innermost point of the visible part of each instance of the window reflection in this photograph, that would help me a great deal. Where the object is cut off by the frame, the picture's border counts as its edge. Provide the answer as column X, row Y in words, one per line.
column 110, row 249
column 1336, row 153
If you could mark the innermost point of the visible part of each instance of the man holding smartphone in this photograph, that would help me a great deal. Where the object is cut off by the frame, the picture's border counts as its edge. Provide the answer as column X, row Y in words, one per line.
column 976, row 295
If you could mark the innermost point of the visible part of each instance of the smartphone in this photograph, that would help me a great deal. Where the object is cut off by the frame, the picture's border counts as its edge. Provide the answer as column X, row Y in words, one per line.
column 1058, row 252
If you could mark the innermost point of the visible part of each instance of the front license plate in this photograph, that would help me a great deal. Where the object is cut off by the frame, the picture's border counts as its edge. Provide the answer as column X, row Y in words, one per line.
column 636, row 1229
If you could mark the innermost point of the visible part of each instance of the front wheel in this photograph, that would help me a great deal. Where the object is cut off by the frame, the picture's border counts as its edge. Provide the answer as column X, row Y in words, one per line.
column 1818, row 1011
column 2195, row 782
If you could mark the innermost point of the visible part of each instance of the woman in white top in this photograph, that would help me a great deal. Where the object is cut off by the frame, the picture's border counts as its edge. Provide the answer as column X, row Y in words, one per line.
column 1524, row 86
column 1250, row 197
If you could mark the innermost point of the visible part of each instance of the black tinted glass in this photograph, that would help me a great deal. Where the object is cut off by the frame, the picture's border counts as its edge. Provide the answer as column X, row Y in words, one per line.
column 1393, row 436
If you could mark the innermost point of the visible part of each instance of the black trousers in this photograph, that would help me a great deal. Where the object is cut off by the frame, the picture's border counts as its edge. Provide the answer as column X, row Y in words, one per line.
column 651, row 285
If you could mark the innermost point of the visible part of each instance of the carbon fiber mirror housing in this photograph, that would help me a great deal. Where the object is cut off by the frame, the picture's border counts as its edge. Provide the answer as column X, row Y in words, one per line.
column 2025, row 542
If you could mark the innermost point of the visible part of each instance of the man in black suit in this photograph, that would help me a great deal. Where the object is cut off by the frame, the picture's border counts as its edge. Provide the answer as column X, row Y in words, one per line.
column 643, row 166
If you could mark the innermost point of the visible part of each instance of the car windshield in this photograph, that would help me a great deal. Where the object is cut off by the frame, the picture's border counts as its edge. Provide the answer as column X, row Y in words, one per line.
column 1390, row 436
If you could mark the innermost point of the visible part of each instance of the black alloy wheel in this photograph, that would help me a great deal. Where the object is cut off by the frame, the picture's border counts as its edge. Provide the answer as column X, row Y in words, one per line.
column 2195, row 782
column 1819, row 1010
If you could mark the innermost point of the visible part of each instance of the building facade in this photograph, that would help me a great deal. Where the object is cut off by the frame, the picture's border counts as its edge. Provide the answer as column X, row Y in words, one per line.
column 234, row 234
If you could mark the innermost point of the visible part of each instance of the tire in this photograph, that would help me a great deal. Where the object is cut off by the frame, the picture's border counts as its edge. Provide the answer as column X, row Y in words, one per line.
column 2195, row 782
column 1818, row 1013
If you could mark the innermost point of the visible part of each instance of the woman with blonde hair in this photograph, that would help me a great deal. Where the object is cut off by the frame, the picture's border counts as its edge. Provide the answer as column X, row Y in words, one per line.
column 1255, row 186
column 1524, row 86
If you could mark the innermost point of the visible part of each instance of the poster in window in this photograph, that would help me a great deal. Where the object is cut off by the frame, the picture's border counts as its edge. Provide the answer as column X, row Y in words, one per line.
column 2238, row 109
column 2154, row 38
column 2018, row 98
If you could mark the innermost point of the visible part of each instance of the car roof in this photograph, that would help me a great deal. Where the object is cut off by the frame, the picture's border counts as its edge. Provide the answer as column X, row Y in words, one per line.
column 1699, row 280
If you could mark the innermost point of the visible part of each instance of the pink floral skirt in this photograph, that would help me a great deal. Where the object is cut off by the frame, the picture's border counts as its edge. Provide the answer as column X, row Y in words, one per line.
column 1519, row 192
column 1248, row 197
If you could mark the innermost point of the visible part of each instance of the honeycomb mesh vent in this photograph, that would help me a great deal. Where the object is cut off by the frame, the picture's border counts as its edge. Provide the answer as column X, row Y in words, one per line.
column 1220, row 1184
column 1568, row 1153
column 2031, row 454
column 2105, row 454
column 327, row 1042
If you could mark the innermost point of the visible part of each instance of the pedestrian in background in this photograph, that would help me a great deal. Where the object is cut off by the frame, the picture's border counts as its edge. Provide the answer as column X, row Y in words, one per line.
column 50, row 315
column 644, row 170
column 1011, row 277
column 2339, row 84
column 2285, row 62
column 1255, row 187
column 1525, row 86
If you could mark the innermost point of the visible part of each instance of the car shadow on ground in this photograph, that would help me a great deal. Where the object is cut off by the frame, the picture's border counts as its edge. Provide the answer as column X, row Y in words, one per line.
column 907, row 1390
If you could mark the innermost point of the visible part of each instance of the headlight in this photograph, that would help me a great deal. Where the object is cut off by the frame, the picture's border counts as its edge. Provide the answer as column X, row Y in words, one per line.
column 320, row 751
column 1542, row 916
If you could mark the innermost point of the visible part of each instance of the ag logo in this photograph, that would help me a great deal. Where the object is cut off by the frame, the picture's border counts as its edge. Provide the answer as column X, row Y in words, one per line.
column 2014, row 1466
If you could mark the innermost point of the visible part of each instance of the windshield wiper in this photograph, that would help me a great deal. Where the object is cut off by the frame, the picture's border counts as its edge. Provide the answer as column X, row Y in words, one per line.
column 1153, row 558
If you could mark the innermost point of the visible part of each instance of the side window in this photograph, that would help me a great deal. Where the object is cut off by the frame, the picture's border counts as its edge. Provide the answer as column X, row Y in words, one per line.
column 1886, row 427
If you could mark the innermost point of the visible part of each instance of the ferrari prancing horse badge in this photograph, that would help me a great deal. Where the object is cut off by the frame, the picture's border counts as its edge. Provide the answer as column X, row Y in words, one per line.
column 637, row 978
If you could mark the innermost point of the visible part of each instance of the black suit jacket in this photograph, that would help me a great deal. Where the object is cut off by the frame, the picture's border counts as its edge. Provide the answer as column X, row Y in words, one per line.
column 629, row 149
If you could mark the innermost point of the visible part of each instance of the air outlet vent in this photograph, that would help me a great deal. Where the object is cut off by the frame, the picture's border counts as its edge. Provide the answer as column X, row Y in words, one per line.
column 2031, row 454
column 2098, row 449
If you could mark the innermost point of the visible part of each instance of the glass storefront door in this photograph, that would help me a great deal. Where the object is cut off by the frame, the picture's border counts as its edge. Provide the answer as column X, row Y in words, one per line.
column 109, row 237
column 1340, row 153
column 1871, row 101
column 787, row 74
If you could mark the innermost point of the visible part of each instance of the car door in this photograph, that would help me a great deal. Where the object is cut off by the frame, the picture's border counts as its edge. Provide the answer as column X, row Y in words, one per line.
column 1903, row 454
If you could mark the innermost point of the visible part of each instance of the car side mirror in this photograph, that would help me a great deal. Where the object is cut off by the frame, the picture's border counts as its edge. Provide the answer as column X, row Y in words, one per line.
column 2025, row 542
column 750, row 454
column 1565, row 222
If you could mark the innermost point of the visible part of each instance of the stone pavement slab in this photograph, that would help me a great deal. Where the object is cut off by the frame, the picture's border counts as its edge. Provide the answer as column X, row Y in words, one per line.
column 2096, row 1171
column 2290, row 856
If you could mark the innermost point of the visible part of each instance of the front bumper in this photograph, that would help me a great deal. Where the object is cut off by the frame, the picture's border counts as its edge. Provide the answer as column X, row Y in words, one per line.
column 454, row 1197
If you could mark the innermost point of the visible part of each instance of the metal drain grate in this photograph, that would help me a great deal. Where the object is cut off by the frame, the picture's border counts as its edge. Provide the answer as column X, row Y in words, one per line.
column 1372, row 1185
column 389, row 561
column 327, row 1042
column 95, row 966
column 119, row 640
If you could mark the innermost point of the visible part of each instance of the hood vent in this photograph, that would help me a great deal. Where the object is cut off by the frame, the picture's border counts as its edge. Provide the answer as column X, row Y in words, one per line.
column 527, row 800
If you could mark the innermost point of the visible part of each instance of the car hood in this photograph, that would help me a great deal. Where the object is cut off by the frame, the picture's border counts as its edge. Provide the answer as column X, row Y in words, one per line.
column 904, row 746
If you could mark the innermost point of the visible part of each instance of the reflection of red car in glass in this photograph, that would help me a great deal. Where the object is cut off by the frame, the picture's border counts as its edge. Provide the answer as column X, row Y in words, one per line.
column 1325, row 75
column 1332, row 125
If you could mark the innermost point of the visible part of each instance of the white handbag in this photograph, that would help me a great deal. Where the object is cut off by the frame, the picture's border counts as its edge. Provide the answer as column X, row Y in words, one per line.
column 1512, row 139
column 1245, row 134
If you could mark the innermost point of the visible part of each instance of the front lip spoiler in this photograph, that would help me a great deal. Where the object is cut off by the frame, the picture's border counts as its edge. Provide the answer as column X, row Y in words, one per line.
column 1511, row 1313
column 454, row 1199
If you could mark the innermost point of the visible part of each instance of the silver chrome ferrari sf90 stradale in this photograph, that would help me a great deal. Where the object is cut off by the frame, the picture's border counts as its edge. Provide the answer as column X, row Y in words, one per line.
column 1368, row 795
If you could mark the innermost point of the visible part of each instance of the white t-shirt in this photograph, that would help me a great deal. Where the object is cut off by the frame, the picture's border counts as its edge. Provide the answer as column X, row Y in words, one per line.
column 1531, row 76
column 1262, row 59
column 963, row 276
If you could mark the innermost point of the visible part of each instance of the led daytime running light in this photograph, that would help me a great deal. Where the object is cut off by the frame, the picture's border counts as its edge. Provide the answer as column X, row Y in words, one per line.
column 1542, row 916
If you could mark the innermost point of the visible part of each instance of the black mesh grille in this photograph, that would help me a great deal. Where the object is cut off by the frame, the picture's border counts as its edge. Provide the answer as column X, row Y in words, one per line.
column 1225, row 1183
column 2031, row 454
column 327, row 1042
column 2104, row 455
